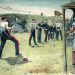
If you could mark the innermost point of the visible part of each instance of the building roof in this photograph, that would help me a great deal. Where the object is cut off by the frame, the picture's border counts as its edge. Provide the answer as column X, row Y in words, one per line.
column 70, row 5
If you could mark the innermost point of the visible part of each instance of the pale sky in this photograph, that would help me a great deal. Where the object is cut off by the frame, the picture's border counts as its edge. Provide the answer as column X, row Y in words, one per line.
column 34, row 6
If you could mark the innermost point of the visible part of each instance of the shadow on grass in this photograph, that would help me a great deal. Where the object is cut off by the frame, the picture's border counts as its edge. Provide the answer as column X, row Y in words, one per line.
column 37, row 46
column 14, row 61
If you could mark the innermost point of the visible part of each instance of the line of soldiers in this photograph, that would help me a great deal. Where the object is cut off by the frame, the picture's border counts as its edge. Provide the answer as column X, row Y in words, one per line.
column 49, row 31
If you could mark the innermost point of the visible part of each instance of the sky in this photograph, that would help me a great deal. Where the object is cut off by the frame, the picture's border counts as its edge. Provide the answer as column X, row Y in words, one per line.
column 32, row 6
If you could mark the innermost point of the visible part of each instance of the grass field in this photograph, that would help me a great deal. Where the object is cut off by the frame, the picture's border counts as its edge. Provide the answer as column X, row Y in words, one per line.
column 46, row 59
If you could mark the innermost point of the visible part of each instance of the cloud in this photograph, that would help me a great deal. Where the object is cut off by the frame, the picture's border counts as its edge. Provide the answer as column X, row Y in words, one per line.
column 9, row 7
column 25, row 10
column 3, row 1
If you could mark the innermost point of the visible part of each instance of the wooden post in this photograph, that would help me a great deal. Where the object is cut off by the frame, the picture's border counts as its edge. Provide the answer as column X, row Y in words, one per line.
column 65, row 52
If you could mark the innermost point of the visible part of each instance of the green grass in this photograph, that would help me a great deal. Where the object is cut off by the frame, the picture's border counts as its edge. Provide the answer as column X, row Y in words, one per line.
column 44, row 60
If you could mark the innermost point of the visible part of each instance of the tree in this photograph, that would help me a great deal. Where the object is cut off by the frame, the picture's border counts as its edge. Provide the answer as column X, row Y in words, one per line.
column 23, row 24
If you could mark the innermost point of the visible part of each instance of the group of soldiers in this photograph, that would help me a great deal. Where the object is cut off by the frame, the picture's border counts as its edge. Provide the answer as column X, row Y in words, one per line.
column 50, row 31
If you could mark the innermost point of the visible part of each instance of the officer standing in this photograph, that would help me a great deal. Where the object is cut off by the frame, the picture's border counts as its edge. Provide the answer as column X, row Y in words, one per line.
column 33, row 26
column 39, row 32
column 58, row 30
column 51, row 31
column 54, row 31
column 46, row 29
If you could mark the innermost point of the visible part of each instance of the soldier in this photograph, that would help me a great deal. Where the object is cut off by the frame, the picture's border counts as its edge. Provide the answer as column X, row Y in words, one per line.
column 58, row 30
column 33, row 26
column 51, row 31
column 46, row 29
column 54, row 31
column 39, row 32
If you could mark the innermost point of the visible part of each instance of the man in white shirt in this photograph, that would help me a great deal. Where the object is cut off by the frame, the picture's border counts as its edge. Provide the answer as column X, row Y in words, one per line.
column 5, row 35
column 33, row 26
column 58, row 30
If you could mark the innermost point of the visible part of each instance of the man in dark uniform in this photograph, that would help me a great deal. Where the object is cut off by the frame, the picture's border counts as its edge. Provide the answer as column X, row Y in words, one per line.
column 54, row 31
column 32, row 33
column 39, row 32
column 50, row 32
column 46, row 29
